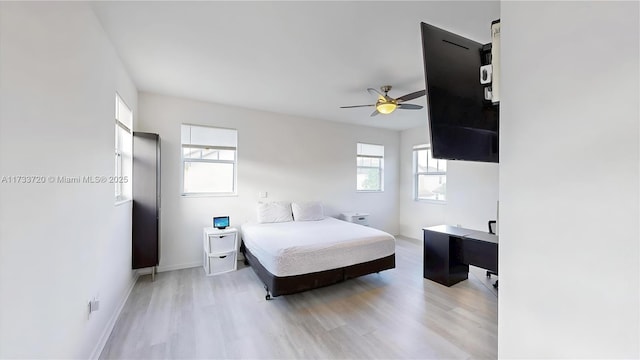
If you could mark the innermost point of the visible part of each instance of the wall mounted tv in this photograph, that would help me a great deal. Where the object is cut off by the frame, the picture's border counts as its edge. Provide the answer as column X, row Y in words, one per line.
column 462, row 124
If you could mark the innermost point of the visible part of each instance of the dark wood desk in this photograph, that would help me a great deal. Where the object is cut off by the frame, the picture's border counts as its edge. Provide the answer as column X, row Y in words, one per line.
column 449, row 250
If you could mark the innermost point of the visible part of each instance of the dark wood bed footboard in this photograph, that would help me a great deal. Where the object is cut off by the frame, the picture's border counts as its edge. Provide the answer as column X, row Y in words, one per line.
column 276, row 285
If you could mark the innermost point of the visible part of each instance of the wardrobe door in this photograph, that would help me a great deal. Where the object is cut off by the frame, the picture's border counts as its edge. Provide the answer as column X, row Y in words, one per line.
column 146, row 200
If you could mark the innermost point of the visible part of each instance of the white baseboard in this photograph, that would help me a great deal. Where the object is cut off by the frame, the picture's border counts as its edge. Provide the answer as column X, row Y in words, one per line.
column 97, row 350
column 162, row 268
column 415, row 241
column 178, row 267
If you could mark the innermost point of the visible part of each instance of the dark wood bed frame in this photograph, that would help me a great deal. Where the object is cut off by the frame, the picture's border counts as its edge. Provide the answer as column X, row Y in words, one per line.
column 277, row 285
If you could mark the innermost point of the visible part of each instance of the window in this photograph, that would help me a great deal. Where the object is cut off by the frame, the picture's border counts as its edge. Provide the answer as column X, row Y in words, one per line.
column 370, row 166
column 430, row 182
column 209, row 158
column 123, row 155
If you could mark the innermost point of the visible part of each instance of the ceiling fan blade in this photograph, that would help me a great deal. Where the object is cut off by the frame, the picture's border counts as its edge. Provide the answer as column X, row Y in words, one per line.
column 374, row 92
column 413, row 95
column 410, row 106
column 375, row 112
column 354, row 106
column 377, row 93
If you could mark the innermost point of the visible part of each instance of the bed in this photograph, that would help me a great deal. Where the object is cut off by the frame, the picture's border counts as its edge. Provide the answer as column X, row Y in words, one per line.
column 295, row 256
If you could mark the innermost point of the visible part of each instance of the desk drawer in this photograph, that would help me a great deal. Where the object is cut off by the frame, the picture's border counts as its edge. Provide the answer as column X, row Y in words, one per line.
column 481, row 254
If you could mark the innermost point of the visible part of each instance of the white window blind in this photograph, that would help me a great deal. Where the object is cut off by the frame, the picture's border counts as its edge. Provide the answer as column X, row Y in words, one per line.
column 123, row 113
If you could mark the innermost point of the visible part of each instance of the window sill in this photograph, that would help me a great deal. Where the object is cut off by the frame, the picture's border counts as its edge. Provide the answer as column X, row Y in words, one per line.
column 122, row 202
column 427, row 201
column 369, row 191
column 196, row 195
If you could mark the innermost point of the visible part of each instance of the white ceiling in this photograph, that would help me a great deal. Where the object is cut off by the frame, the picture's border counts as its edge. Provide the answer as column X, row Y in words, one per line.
column 299, row 58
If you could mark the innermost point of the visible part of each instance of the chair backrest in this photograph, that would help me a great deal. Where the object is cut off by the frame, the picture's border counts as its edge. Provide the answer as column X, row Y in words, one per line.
column 492, row 226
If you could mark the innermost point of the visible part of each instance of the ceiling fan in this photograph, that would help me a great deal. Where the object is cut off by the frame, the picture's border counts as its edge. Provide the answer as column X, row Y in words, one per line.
column 386, row 104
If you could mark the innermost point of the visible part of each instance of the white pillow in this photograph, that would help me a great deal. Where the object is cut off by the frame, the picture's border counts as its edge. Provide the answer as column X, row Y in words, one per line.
column 309, row 211
column 274, row 212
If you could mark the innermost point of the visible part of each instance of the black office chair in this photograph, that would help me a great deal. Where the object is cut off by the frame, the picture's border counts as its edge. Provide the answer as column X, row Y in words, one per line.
column 491, row 231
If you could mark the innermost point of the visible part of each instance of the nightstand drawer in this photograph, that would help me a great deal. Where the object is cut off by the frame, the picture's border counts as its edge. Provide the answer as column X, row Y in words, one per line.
column 362, row 220
column 215, row 243
column 219, row 263
column 356, row 218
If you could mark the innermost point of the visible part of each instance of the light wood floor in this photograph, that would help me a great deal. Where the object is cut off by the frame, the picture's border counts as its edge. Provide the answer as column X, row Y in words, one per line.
column 394, row 314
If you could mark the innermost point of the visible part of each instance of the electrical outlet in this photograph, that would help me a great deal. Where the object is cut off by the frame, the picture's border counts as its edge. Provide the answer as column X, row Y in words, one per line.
column 263, row 194
column 94, row 305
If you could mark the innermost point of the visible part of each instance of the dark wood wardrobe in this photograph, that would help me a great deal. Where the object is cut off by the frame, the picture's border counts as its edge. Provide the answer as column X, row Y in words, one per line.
column 146, row 201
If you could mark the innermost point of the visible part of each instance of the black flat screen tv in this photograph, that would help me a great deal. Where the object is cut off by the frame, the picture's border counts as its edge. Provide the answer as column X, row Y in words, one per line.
column 462, row 124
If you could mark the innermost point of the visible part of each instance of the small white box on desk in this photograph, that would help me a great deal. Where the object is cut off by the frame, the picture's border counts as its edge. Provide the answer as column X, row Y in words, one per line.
column 356, row 217
column 220, row 249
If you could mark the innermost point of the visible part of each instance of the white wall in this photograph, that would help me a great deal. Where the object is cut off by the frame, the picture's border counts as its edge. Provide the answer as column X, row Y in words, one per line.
column 288, row 157
column 472, row 192
column 61, row 244
column 569, row 183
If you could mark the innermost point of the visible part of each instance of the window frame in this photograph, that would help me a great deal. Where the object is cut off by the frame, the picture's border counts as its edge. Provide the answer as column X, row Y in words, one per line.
column 184, row 160
column 119, row 170
column 417, row 174
column 380, row 168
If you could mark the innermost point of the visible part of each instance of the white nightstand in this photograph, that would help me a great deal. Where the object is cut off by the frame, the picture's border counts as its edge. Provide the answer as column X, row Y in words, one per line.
column 356, row 217
column 220, row 250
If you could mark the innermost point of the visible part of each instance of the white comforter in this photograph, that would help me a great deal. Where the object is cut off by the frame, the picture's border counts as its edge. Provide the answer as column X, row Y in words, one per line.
column 300, row 247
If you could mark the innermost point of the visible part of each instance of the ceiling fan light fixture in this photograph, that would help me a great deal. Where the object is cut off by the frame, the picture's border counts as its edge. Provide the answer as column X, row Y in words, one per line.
column 386, row 107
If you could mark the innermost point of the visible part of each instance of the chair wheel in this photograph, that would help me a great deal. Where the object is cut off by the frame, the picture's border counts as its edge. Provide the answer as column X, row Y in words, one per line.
column 267, row 297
